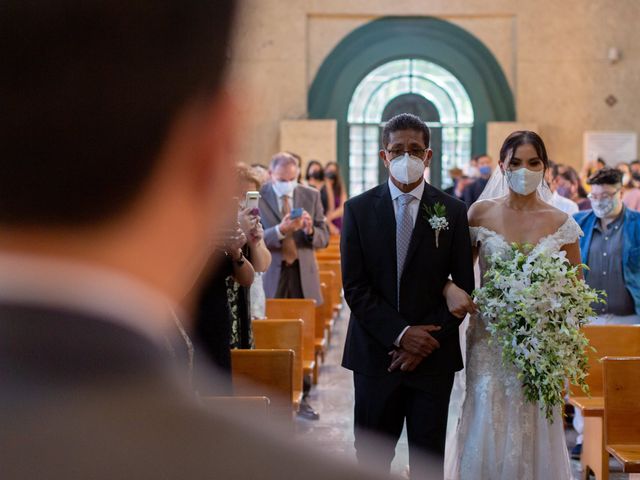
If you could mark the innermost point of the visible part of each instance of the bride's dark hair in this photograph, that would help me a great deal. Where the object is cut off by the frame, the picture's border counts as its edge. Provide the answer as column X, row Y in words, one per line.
column 524, row 137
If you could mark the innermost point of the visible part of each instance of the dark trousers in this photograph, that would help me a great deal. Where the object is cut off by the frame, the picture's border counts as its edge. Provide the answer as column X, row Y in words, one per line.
column 383, row 404
column 289, row 283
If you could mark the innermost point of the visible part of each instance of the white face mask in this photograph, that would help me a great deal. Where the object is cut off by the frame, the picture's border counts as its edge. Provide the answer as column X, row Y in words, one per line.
column 524, row 181
column 603, row 208
column 284, row 188
column 407, row 169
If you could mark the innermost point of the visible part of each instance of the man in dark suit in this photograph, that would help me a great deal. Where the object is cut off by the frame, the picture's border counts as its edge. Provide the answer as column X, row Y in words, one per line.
column 402, row 343
column 116, row 172
column 473, row 191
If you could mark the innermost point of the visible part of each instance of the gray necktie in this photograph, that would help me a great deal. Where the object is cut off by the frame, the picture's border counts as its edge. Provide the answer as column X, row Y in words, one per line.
column 404, row 230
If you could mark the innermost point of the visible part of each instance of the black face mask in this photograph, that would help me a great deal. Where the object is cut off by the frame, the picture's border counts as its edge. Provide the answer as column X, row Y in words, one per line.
column 317, row 175
column 331, row 175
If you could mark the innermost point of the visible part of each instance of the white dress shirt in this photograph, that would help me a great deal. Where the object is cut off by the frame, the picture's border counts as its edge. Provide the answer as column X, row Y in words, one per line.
column 566, row 205
column 414, row 208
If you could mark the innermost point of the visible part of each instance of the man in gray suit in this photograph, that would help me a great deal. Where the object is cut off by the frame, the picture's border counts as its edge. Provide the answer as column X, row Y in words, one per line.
column 115, row 174
column 294, row 227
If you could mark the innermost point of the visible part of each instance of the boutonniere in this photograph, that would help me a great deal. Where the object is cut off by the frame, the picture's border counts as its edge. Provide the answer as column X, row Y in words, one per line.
column 437, row 218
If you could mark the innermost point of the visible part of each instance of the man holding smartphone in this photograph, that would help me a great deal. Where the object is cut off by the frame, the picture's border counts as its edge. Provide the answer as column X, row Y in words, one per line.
column 294, row 226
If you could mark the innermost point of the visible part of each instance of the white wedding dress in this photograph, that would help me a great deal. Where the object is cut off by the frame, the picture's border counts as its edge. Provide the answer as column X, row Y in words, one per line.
column 498, row 435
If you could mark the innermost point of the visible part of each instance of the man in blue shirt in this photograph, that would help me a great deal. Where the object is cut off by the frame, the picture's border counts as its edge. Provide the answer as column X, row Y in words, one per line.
column 611, row 249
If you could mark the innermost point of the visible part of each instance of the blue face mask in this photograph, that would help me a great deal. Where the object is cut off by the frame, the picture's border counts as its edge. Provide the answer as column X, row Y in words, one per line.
column 485, row 170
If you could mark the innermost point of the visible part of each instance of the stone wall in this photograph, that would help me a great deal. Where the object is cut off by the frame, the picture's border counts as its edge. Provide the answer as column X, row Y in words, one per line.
column 553, row 53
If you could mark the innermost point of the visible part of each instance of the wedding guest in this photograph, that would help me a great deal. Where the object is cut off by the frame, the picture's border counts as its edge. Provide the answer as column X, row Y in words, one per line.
column 460, row 183
column 259, row 256
column 630, row 189
column 315, row 179
column 611, row 249
column 261, row 172
column 471, row 168
column 552, row 177
column 472, row 192
column 568, row 185
column 336, row 196
column 634, row 167
column 292, row 241
column 220, row 305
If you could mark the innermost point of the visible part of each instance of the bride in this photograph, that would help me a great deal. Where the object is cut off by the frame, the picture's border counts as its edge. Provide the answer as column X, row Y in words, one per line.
column 500, row 435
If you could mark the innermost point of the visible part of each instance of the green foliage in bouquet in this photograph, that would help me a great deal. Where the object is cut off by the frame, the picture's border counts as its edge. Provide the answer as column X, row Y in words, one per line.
column 536, row 303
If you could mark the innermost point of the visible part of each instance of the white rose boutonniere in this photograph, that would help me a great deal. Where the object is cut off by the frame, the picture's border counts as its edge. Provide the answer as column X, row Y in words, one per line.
column 437, row 218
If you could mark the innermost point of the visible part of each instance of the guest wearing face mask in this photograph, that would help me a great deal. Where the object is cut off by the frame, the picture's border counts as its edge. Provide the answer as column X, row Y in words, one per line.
column 315, row 179
column 473, row 191
column 630, row 192
column 611, row 249
column 568, row 185
column 561, row 202
column 294, row 226
column 336, row 195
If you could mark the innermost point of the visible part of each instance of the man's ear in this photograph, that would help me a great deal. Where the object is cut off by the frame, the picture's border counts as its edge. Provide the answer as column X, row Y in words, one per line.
column 383, row 157
column 427, row 162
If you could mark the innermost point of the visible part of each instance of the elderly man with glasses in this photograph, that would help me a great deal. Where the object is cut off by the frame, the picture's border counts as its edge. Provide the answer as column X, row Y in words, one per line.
column 611, row 249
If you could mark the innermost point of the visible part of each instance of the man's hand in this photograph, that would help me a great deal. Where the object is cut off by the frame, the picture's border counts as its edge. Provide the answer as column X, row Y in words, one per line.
column 405, row 361
column 288, row 225
column 417, row 340
column 459, row 302
column 307, row 223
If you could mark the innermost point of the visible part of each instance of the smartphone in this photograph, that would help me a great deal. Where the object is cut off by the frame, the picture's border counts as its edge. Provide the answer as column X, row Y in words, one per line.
column 252, row 199
column 296, row 213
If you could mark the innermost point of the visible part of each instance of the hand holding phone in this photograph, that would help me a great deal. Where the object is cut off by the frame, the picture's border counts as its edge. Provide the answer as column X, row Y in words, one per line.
column 296, row 213
column 252, row 200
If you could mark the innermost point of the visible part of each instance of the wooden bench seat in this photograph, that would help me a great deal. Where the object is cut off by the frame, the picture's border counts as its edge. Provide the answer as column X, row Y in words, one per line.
column 622, row 411
column 265, row 373
column 305, row 310
column 612, row 340
column 328, row 277
column 283, row 334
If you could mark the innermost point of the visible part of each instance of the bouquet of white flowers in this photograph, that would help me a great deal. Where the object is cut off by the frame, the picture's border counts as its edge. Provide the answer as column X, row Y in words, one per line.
column 536, row 303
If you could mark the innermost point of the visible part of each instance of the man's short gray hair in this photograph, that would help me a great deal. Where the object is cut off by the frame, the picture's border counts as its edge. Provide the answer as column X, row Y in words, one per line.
column 282, row 159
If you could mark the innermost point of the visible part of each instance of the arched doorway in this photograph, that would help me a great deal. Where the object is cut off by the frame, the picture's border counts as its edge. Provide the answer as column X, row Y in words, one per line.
column 436, row 42
column 413, row 86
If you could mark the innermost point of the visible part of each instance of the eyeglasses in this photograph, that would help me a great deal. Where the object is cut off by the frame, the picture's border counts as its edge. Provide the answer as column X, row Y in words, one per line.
column 414, row 152
column 603, row 196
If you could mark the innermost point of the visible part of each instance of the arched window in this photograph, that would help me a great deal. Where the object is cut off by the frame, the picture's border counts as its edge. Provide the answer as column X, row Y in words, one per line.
column 417, row 86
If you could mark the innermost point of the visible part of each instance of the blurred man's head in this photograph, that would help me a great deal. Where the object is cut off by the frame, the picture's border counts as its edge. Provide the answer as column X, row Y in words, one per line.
column 115, row 128
column 284, row 171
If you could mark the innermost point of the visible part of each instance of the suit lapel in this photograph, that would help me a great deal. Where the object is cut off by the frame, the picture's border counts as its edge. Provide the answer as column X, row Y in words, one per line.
column 422, row 226
column 272, row 201
column 386, row 219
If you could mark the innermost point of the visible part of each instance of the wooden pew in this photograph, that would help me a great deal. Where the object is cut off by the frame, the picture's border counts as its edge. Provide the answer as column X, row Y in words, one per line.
column 622, row 411
column 334, row 240
column 283, row 334
column 329, row 278
column 256, row 407
column 334, row 266
column 305, row 310
column 321, row 314
column 608, row 340
column 265, row 372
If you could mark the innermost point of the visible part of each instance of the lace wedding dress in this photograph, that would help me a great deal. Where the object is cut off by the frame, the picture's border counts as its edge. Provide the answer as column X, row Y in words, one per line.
column 499, row 434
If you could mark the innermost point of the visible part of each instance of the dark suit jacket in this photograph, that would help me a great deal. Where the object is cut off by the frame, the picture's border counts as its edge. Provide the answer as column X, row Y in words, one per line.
column 85, row 398
column 471, row 194
column 368, row 248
